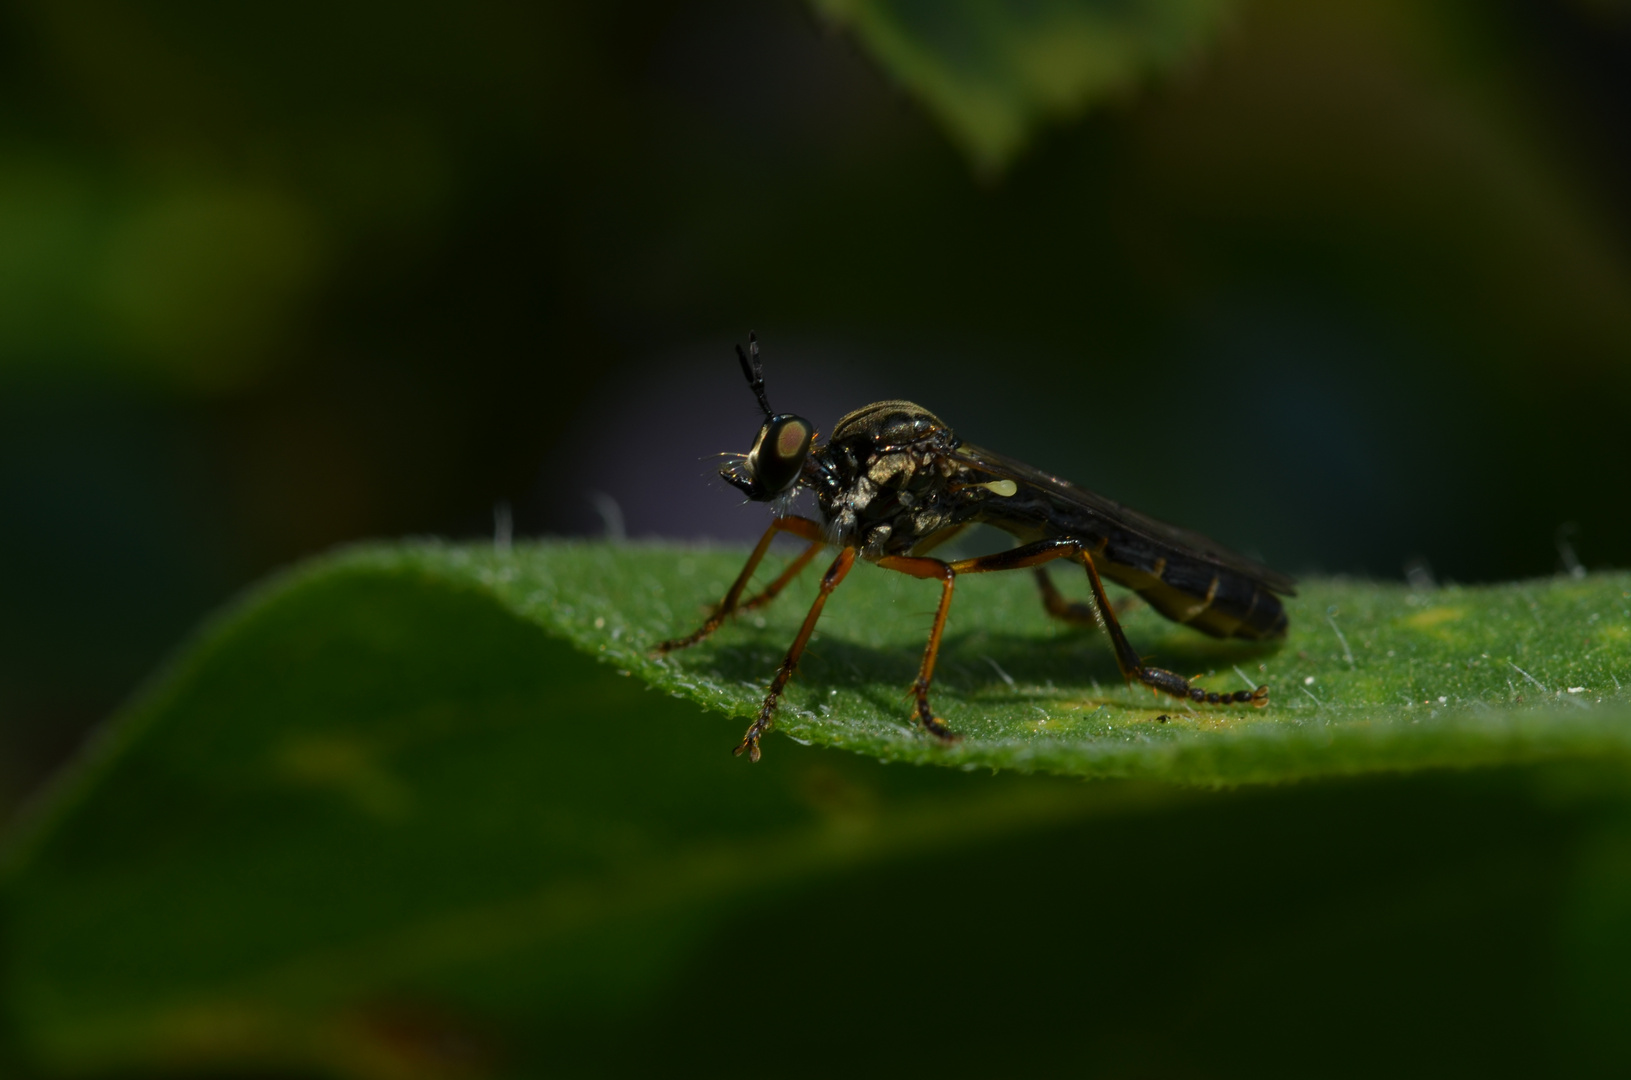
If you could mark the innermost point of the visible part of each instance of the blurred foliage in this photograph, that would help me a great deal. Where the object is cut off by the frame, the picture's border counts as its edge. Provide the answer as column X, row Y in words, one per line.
column 992, row 72
column 383, row 820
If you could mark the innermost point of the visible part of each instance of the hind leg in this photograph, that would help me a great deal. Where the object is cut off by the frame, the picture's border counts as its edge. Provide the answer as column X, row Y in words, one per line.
column 1157, row 679
column 1133, row 668
column 1075, row 612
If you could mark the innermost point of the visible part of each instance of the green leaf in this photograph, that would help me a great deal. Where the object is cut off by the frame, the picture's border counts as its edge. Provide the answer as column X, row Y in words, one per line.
column 390, row 806
column 374, row 805
column 991, row 73
column 1371, row 676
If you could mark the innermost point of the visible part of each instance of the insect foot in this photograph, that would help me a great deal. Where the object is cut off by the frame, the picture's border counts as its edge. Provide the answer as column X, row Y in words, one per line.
column 1165, row 682
column 750, row 742
column 1257, row 698
column 933, row 723
column 766, row 719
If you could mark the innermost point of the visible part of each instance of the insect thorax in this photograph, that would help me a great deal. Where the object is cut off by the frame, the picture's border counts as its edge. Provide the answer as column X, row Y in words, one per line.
column 891, row 478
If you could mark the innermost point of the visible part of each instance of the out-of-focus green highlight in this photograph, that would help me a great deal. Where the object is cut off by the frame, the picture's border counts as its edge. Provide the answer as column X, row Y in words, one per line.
column 992, row 73
column 370, row 778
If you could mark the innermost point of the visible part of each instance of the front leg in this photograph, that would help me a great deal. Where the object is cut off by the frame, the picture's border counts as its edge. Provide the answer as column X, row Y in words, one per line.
column 767, row 712
column 798, row 526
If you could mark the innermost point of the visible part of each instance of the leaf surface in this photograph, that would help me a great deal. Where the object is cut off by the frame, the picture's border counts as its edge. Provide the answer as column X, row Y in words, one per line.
column 372, row 813
column 1371, row 676
column 390, row 806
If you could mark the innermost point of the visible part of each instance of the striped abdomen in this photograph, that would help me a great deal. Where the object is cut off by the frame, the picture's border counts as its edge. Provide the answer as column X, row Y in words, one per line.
column 1213, row 599
column 1188, row 578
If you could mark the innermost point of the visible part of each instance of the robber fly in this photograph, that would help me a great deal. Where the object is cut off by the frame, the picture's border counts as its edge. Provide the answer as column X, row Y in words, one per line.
column 893, row 482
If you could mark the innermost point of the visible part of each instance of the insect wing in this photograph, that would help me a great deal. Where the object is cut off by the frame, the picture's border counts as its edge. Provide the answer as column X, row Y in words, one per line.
column 1181, row 542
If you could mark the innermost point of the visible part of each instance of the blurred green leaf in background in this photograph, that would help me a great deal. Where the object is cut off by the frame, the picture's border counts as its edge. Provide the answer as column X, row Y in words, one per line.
column 1347, row 286
column 992, row 72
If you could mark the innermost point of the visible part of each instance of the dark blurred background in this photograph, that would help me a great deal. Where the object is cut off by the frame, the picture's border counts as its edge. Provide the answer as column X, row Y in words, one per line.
column 1347, row 288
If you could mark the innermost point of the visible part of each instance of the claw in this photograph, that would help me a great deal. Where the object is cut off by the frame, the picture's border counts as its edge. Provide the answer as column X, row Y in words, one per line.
column 936, row 728
column 749, row 744
column 750, row 741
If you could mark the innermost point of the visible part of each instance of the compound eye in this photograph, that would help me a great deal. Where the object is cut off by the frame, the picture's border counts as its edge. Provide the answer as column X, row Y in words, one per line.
column 778, row 455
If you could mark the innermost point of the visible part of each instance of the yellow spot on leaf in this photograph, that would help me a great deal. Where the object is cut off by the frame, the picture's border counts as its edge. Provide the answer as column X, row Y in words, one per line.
column 1433, row 619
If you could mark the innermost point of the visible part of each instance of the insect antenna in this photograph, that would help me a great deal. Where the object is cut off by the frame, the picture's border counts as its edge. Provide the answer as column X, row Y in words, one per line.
column 754, row 371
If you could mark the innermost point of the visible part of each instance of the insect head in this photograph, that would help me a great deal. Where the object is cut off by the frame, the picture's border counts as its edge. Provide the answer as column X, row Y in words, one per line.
column 774, row 464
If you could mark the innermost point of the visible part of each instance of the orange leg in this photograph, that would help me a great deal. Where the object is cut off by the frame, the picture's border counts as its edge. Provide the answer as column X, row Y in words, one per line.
column 1074, row 611
column 793, row 570
column 928, row 568
column 732, row 603
column 1132, row 666
column 829, row 581
column 1157, row 679
column 920, row 567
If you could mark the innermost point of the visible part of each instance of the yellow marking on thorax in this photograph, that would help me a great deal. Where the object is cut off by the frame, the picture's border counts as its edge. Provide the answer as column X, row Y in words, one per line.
column 1003, row 488
column 889, row 466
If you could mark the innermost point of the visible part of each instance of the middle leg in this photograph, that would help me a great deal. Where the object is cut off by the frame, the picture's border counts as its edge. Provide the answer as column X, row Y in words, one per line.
column 920, row 567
